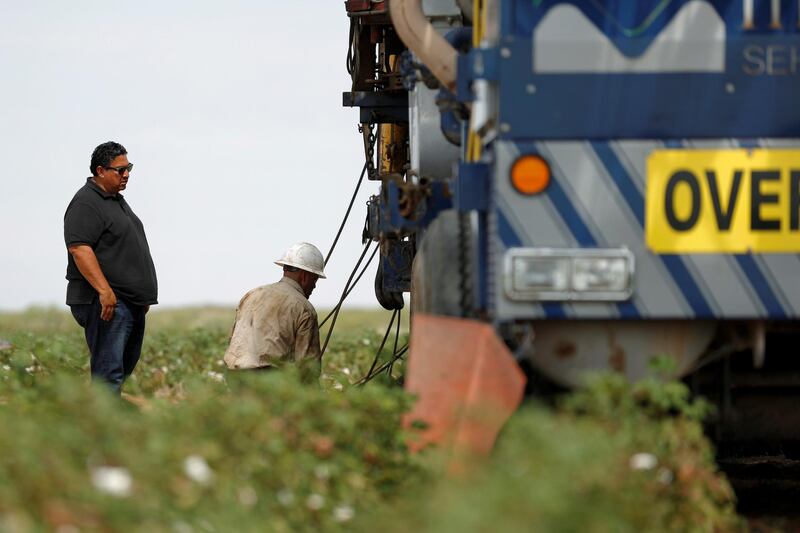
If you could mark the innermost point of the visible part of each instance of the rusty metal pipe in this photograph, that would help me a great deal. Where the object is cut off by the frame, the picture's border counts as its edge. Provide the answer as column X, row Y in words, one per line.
column 420, row 37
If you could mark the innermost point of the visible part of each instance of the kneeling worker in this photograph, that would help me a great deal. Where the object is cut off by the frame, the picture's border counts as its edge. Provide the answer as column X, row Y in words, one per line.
column 276, row 324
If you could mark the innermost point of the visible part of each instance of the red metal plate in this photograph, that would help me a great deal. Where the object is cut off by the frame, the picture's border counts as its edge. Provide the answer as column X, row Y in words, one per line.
column 358, row 5
column 466, row 381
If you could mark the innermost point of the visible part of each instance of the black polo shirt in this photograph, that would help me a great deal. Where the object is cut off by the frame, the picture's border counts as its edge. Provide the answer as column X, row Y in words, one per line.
column 106, row 223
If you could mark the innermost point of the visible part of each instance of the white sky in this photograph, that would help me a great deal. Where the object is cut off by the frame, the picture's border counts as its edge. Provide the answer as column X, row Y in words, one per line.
column 231, row 112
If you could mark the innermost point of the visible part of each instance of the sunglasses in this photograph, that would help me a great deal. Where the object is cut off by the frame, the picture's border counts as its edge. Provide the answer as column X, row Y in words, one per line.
column 121, row 170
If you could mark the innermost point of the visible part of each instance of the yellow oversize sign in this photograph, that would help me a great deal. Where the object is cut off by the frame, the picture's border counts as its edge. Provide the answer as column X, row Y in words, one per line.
column 728, row 201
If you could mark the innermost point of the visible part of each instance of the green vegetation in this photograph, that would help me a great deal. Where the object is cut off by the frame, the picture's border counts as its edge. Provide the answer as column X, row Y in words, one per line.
column 200, row 449
column 614, row 457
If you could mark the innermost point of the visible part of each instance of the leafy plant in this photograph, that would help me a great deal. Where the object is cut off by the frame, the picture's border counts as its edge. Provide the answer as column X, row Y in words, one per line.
column 199, row 448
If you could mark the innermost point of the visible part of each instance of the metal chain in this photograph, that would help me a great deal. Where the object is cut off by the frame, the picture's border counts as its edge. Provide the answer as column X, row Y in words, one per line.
column 369, row 147
column 464, row 265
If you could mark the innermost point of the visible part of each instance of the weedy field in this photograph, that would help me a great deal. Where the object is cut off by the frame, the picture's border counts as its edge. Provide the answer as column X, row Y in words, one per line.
column 197, row 448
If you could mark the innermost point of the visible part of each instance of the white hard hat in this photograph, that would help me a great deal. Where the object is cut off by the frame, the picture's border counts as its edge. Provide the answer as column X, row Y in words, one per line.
column 304, row 256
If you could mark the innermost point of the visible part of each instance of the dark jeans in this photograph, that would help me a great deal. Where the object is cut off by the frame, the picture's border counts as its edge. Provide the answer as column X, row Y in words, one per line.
column 115, row 345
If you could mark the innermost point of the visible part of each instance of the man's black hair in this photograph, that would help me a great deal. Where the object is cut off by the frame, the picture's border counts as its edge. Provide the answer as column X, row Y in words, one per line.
column 104, row 154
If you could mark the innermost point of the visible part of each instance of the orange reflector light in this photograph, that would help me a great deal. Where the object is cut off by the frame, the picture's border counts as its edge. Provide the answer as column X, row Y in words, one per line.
column 530, row 174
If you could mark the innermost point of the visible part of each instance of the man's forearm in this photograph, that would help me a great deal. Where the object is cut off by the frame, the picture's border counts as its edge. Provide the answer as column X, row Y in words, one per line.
column 88, row 266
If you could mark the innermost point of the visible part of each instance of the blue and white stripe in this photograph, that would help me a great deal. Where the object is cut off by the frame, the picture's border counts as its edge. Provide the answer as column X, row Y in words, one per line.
column 597, row 199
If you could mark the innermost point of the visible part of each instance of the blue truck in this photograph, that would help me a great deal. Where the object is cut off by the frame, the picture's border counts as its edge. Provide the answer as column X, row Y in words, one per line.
column 588, row 185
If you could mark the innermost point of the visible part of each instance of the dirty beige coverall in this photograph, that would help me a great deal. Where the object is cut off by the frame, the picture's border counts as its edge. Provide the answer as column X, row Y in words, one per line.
column 274, row 324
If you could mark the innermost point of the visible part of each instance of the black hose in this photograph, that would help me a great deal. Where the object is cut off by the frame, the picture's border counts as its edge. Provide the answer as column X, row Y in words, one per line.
column 347, row 214
column 353, row 286
column 384, row 366
column 396, row 338
column 383, row 342
column 344, row 295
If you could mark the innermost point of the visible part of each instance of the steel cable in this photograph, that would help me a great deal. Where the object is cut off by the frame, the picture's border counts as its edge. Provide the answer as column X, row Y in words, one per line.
column 384, row 366
column 395, row 353
column 347, row 213
column 349, row 290
column 345, row 292
column 396, row 338
column 367, row 163
column 383, row 342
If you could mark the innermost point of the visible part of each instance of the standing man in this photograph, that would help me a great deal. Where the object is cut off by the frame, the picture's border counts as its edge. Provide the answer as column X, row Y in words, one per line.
column 276, row 323
column 112, row 280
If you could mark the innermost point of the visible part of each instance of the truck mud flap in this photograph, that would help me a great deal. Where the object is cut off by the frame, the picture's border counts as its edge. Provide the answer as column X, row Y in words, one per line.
column 466, row 382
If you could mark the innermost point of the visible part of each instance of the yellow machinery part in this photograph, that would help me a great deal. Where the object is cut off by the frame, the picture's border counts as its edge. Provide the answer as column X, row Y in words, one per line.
column 478, row 25
column 392, row 140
